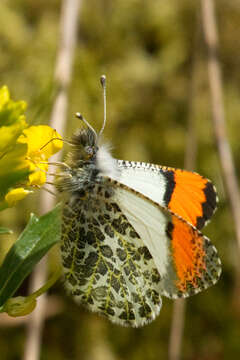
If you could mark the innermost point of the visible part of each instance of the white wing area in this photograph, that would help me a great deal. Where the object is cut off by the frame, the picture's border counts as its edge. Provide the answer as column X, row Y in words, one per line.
column 150, row 222
column 144, row 178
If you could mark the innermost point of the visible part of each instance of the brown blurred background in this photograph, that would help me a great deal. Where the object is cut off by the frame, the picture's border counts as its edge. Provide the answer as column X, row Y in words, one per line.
column 158, row 100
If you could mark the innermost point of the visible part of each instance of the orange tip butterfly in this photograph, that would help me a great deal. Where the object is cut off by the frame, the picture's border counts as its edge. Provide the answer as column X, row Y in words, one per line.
column 131, row 231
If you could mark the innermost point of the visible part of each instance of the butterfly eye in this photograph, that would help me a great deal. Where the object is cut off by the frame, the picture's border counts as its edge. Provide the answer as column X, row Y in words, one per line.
column 89, row 150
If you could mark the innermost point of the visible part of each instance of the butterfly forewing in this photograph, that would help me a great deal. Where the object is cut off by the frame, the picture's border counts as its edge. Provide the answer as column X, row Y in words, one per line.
column 107, row 266
column 185, row 193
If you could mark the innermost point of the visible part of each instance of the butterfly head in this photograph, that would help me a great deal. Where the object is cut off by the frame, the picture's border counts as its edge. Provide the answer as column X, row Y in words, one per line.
column 85, row 141
column 88, row 148
column 88, row 161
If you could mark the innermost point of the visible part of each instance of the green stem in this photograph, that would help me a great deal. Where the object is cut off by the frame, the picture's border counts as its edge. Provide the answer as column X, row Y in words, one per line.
column 56, row 275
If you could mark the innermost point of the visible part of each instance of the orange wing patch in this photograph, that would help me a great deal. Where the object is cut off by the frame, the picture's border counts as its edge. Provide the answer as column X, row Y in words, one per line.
column 188, row 255
column 190, row 196
column 194, row 258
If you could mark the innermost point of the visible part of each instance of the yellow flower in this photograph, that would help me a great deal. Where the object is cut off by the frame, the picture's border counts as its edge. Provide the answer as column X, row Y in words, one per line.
column 14, row 195
column 12, row 120
column 14, row 170
column 41, row 147
column 24, row 151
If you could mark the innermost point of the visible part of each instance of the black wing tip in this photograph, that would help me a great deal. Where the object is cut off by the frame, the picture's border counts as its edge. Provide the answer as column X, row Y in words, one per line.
column 208, row 206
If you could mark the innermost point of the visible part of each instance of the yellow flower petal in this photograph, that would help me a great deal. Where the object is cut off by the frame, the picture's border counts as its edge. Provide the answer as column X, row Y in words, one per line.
column 4, row 96
column 9, row 134
column 37, row 178
column 40, row 147
column 39, row 173
column 14, row 159
column 14, row 169
column 40, row 143
column 12, row 120
column 10, row 110
column 14, row 195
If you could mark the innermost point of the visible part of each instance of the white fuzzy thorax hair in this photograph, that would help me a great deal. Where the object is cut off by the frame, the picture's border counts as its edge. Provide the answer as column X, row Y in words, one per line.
column 106, row 163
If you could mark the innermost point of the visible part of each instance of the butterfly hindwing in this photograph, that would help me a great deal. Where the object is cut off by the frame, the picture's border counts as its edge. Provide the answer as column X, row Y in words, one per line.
column 186, row 260
column 185, row 193
column 106, row 264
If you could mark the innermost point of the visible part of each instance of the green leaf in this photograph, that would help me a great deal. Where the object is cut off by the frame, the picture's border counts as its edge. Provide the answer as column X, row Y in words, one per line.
column 4, row 230
column 37, row 238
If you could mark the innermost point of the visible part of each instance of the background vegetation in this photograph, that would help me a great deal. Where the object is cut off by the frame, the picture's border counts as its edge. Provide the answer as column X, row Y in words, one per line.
column 150, row 51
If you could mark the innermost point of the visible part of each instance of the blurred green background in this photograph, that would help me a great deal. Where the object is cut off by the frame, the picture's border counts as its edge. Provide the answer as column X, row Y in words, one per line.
column 154, row 57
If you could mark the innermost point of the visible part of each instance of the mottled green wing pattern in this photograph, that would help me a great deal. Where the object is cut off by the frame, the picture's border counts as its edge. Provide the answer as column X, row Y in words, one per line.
column 106, row 265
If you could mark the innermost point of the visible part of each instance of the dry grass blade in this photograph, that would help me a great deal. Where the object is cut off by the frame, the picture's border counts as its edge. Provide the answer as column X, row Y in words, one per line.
column 218, row 118
column 178, row 316
column 67, row 41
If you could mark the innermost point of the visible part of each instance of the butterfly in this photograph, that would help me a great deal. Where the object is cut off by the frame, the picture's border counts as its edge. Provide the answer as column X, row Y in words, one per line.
column 131, row 231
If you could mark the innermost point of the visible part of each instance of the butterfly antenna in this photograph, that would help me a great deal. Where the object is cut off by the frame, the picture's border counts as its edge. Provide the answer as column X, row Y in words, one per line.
column 79, row 116
column 103, row 83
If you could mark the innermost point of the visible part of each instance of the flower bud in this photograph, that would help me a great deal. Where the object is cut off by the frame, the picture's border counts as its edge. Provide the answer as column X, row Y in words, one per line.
column 20, row 305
